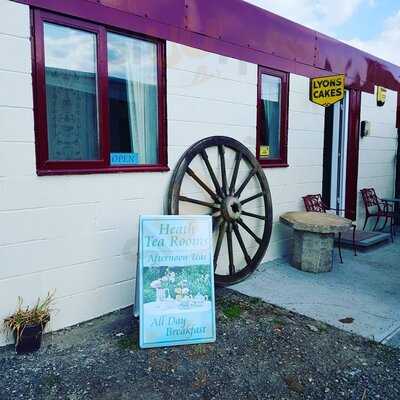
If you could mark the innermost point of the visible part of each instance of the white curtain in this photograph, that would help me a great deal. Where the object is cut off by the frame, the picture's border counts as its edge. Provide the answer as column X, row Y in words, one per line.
column 141, row 76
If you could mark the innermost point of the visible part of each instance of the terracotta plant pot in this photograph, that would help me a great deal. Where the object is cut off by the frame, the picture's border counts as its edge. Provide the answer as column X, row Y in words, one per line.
column 30, row 339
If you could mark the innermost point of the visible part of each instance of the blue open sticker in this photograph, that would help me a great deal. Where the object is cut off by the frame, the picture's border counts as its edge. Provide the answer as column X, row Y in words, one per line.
column 124, row 158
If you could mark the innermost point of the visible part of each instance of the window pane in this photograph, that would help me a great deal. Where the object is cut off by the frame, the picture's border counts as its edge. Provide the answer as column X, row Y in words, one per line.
column 132, row 81
column 71, row 93
column 271, row 114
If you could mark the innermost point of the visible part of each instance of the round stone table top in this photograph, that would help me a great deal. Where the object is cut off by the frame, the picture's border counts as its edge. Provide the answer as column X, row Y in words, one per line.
column 316, row 222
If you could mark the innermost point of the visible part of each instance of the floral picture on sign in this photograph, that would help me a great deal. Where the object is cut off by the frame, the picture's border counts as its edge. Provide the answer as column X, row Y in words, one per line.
column 184, row 285
column 176, row 281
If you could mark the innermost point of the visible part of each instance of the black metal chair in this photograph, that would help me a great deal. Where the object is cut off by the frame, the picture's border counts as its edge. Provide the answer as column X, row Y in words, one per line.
column 375, row 207
column 314, row 202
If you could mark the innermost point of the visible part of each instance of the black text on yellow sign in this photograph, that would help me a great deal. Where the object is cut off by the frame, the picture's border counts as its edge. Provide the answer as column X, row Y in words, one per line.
column 327, row 90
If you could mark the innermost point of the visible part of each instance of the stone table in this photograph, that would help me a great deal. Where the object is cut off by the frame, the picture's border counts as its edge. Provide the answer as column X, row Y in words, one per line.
column 314, row 235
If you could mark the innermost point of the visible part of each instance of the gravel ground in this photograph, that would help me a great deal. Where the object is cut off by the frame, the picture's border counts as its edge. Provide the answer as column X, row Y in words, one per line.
column 262, row 352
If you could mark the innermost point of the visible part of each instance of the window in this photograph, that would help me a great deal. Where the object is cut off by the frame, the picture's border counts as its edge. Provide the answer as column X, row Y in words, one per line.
column 272, row 114
column 132, row 96
column 100, row 101
column 71, row 94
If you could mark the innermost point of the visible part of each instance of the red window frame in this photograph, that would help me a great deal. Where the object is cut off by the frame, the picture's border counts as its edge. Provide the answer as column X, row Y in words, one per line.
column 50, row 167
column 282, row 160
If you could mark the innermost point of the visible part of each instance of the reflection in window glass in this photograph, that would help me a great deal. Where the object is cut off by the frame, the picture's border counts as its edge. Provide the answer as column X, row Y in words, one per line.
column 271, row 116
column 133, row 105
column 71, row 93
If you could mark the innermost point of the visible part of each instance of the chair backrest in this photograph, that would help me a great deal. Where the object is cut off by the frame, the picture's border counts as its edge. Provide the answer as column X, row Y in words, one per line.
column 313, row 202
column 370, row 198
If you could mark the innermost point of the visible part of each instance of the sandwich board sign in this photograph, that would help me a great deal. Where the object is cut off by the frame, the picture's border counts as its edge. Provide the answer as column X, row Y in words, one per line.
column 327, row 90
column 175, row 281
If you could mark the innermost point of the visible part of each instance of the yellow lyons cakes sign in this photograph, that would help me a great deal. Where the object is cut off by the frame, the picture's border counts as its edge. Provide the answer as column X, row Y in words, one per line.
column 327, row 90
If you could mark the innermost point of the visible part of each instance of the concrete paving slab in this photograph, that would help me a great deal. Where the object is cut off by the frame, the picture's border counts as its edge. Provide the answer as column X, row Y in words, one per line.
column 365, row 290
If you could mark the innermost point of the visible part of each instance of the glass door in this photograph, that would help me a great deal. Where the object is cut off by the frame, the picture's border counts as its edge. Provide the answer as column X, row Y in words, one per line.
column 335, row 155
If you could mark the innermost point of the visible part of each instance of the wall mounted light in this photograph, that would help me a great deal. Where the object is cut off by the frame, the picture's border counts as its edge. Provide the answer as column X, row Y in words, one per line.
column 365, row 128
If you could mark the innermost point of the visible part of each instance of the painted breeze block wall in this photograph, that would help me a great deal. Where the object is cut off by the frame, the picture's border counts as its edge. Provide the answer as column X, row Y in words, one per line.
column 305, row 158
column 213, row 95
column 75, row 234
column 78, row 233
column 377, row 159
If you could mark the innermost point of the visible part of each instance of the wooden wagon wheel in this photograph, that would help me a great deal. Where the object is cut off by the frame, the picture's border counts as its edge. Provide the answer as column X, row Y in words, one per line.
column 225, row 196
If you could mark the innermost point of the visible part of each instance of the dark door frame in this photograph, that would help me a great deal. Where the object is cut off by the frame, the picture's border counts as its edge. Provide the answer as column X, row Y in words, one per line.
column 397, row 182
column 397, row 189
column 353, row 146
column 327, row 156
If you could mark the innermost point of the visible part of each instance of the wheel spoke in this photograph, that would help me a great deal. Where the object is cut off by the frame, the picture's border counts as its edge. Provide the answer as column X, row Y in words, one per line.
column 192, row 174
column 256, row 196
column 254, row 215
column 230, row 250
column 217, row 222
column 221, row 234
column 221, row 151
column 199, row 202
column 214, row 179
column 228, row 185
column 249, row 231
column 238, row 158
column 245, row 182
column 241, row 243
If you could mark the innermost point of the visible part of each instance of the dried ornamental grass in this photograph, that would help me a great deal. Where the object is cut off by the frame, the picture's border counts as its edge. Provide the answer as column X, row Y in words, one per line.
column 38, row 315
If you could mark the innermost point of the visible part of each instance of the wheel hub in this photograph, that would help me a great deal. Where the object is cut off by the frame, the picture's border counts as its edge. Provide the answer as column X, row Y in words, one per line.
column 231, row 208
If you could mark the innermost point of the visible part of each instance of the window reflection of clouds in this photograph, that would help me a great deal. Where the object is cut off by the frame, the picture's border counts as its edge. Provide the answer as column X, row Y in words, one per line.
column 127, row 52
column 69, row 48
column 73, row 49
column 271, row 88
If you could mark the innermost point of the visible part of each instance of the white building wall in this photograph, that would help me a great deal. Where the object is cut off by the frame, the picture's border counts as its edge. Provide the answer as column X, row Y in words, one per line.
column 305, row 157
column 213, row 95
column 78, row 233
column 75, row 234
column 208, row 95
column 377, row 157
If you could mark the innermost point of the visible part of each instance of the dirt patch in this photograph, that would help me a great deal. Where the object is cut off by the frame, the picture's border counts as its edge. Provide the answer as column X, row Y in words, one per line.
column 261, row 352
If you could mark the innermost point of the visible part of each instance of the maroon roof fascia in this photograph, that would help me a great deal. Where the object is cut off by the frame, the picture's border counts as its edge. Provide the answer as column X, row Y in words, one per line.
column 236, row 29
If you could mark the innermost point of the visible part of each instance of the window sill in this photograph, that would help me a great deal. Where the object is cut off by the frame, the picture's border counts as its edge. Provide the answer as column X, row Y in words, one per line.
column 109, row 170
column 273, row 165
